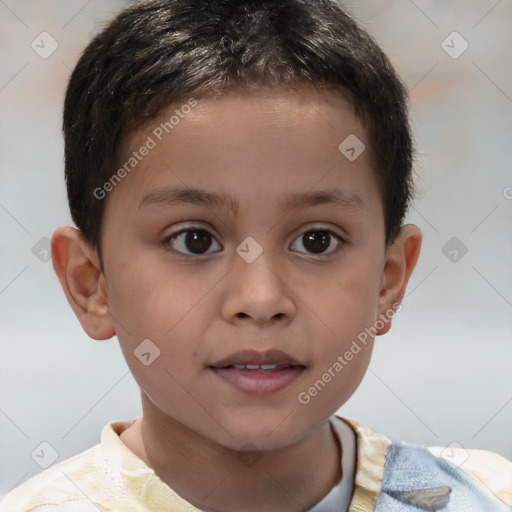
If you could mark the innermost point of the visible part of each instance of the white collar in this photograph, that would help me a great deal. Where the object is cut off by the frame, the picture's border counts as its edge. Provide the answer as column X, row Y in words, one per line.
column 339, row 497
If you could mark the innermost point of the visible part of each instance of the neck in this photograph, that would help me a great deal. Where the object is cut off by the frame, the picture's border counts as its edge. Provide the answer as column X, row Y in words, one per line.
column 216, row 478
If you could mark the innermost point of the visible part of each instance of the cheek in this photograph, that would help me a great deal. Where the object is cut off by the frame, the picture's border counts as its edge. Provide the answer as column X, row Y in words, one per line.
column 169, row 307
column 334, row 382
column 156, row 317
column 346, row 299
column 151, row 299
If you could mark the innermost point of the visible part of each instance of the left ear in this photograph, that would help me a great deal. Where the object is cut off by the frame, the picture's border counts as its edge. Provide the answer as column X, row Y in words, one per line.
column 401, row 258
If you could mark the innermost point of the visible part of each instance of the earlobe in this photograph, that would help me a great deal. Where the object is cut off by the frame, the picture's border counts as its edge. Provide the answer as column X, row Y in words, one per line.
column 401, row 258
column 77, row 267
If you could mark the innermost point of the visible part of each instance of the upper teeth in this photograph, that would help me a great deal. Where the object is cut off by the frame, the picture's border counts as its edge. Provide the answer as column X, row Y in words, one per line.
column 258, row 366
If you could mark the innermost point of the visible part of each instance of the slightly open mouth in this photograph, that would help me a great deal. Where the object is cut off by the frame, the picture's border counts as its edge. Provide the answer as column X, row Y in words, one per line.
column 258, row 367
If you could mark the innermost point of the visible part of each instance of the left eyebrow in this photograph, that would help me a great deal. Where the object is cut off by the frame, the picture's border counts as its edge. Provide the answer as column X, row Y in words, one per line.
column 176, row 195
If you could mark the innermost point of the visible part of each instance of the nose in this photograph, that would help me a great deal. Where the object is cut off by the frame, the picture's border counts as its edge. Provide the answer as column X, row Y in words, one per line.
column 258, row 292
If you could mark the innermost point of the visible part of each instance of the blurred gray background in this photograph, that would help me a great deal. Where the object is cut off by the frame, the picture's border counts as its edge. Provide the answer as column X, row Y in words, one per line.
column 442, row 376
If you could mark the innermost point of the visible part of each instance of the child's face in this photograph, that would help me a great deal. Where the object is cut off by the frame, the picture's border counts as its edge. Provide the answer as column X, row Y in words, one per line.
column 201, row 299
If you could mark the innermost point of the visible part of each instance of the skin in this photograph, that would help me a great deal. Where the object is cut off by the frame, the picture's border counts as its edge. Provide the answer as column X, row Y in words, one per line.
column 197, row 309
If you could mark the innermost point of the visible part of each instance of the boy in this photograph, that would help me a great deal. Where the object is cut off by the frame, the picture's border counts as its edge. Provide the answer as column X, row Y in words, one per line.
column 258, row 129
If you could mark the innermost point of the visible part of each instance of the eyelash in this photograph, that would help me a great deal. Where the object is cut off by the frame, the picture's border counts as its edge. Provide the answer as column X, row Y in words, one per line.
column 167, row 242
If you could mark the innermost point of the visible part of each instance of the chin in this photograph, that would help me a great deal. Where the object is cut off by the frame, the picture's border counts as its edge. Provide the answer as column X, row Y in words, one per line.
column 266, row 431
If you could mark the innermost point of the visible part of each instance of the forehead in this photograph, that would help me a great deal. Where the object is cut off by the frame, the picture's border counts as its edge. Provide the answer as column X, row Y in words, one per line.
column 284, row 110
column 282, row 140
column 274, row 109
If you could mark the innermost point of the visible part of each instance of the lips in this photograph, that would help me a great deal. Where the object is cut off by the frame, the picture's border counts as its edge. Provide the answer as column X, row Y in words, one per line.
column 254, row 360
column 258, row 373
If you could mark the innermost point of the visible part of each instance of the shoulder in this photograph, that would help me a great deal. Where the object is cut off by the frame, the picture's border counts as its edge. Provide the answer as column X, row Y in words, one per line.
column 412, row 476
column 442, row 477
column 106, row 477
column 486, row 468
column 60, row 487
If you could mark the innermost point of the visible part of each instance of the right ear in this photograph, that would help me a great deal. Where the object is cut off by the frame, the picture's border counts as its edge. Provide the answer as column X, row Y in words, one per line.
column 78, row 268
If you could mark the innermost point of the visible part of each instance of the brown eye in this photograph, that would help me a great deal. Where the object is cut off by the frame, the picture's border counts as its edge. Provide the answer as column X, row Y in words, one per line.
column 196, row 241
column 318, row 241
